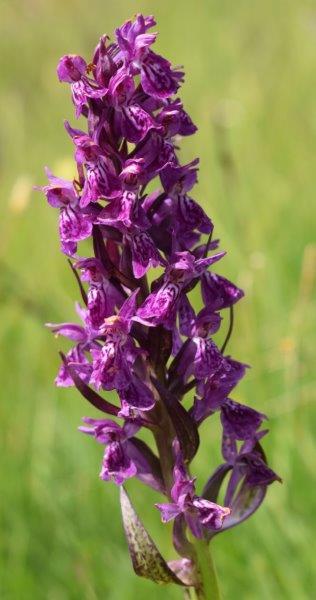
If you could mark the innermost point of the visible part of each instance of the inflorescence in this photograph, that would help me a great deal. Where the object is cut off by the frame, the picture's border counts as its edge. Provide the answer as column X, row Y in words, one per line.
column 144, row 341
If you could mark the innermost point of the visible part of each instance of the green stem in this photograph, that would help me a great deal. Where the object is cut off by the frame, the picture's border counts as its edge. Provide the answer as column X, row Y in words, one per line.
column 207, row 587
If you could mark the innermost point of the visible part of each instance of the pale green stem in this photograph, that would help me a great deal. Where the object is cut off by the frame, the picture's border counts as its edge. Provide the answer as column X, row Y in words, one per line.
column 207, row 588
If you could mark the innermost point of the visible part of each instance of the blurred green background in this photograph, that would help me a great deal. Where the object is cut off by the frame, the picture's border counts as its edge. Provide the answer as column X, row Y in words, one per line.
column 250, row 87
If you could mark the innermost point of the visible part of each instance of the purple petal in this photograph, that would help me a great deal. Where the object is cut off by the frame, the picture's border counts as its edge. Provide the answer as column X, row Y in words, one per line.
column 217, row 387
column 192, row 216
column 157, row 77
column 74, row 332
column 105, row 431
column 116, row 465
column 121, row 87
column 159, row 306
column 210, row 515
column 257, row 471
column 144, row 254
column 71, row 68
column 186, row 316
column 218, row 292
column 138, row 395
column 202, row 263
column 177, row 179
column 128, row 309
column 81, row 367
column 59, row 192
column 110, row 369
column 240, row 421
column 73, row 225
column 208, row 358
column 168, row 511
column 136, row 123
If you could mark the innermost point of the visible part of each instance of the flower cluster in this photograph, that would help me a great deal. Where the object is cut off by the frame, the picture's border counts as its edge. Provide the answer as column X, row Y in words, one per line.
column 148, row 343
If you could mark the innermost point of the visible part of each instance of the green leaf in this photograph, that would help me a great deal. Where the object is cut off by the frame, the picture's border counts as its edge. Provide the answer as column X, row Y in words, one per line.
column 146, row 558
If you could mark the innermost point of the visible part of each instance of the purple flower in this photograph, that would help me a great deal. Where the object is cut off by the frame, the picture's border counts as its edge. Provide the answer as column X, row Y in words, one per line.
column 160, row 306
column 177, row 179
column 136, row 123
column 198, row 512
column 157, row 77
column 76, row 358
column 248, row 464
column 74, row 225
column 102, row 297
column 200, row 325
column 71, row 68
column 217, row 387
column 140, row 334
column 175, row 120
column 85, row 338
column 136, row 395
column 133, row 39
column 240, row 422
column 100, row 179
column 218, row 292
column 112, row 363
column 116, row 465
column 144, row 253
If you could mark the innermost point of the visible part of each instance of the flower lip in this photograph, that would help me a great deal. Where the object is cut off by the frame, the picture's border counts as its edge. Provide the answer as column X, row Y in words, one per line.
column 71, row 68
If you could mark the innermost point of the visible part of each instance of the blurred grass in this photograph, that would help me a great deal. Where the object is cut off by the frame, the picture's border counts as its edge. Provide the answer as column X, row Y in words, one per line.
column 250, row 87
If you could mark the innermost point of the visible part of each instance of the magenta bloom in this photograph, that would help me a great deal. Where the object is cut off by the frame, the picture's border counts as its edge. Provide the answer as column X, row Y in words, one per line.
column 151, row 244
column 198, row 512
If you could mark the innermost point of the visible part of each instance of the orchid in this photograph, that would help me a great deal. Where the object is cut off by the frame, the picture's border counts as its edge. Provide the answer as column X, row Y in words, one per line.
column 146, row 342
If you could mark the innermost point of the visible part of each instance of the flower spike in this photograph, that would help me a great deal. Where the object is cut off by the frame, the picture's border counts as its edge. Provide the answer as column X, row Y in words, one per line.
column 144, row 342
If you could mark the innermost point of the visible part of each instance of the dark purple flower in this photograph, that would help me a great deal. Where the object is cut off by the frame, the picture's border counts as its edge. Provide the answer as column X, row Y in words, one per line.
column 136, row 395
column 218, row 292
column 140, row 334
column 217, row 387
column 240, row 422
column 198, row 512
column 131, row 174
column 250, row 476
column 191, row 216
column 160, row 306
column 136, row 123
column 256, row 470
column 175, row 120
column 157, row 77
column 144, row 253
column 113, row 363
column 133, row 39
column 177, row 179
column 116, row 465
